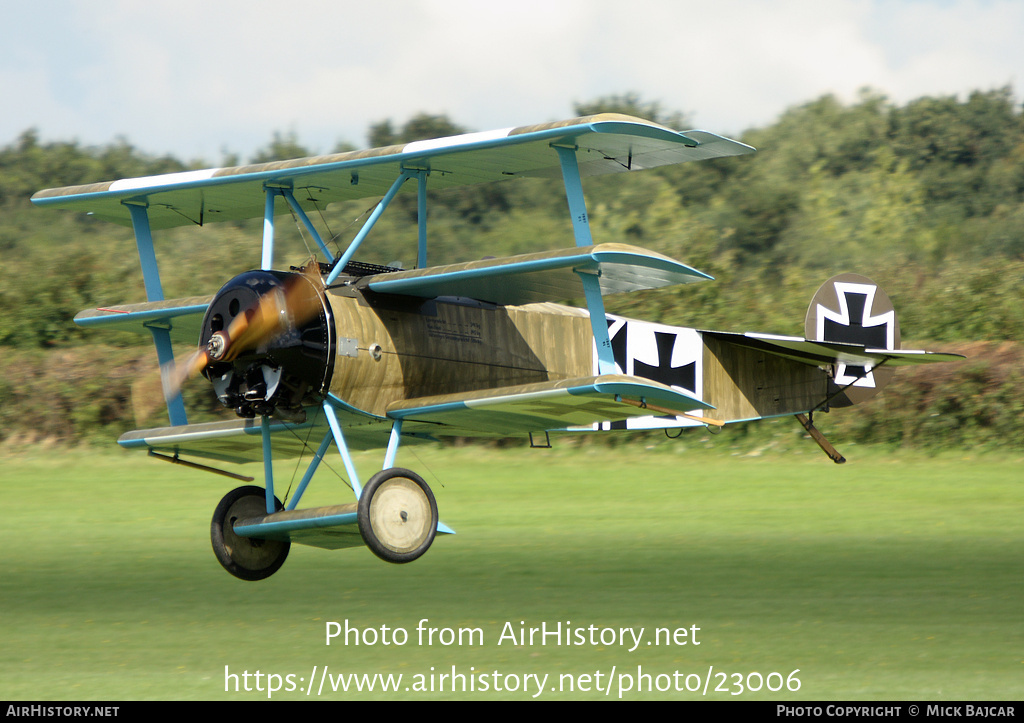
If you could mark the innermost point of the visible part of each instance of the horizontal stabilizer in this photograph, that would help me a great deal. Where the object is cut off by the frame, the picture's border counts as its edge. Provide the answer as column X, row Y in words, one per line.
column 181, row 317
column 546, row 406
column 829, row 352
column 605, row 143
column 543, row 276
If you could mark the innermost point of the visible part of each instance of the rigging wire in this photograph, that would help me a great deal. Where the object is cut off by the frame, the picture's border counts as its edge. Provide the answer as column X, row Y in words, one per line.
column 323, row 460
column 298, row 462
column 298, row 225
column 424, row 464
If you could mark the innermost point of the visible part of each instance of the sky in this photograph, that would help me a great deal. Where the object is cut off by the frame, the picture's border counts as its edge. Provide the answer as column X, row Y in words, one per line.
column 202, row 79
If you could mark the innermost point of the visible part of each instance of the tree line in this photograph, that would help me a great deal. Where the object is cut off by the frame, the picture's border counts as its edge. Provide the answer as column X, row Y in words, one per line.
column 927, row 198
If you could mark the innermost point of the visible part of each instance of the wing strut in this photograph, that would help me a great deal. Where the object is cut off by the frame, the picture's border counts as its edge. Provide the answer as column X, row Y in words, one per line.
column 339, row 439
column 290, row 198
column 574, row 194
column 317, row 458
column 421, row 218
column 396, row 434
column 581, row 230
column 595, row 305
column 147, row 255
column 267, row 258
column 272, row 192
column 155, row 292
column 268, row 463
column 339, row 265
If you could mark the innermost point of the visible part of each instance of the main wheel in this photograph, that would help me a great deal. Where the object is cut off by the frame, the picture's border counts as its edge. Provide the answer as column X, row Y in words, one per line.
column 247, row 558
column 397, row 515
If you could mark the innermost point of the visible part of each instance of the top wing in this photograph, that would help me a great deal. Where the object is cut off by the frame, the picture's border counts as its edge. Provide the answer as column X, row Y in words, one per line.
column 606, row 143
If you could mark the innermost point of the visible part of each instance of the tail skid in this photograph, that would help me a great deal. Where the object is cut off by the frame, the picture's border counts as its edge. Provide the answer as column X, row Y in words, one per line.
column 818, row 437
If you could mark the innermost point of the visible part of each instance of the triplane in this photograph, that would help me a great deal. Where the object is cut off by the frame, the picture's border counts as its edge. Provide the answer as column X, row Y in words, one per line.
column 360, row 356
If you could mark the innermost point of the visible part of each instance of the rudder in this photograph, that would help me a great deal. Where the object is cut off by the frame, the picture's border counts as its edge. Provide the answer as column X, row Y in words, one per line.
column 853, row 309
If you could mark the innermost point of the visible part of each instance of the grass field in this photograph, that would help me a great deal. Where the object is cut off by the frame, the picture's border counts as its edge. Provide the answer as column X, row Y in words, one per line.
column 891, row 577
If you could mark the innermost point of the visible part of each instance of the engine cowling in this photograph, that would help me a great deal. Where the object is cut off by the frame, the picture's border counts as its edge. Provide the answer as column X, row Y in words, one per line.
column 279, row 372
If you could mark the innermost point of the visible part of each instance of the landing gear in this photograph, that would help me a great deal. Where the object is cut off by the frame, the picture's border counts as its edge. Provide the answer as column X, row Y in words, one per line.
column 397, row 515
column 247, row 558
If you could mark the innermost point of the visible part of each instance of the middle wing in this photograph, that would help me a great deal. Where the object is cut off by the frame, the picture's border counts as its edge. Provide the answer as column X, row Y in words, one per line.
column 180, row 317
column 543, row 276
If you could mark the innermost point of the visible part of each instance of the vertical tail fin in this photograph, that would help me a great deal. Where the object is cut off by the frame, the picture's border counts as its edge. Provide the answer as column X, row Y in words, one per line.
column 853, row 309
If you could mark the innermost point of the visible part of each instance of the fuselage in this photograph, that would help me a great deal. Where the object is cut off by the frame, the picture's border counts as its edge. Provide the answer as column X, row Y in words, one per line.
column 393, row 349
column 400, row 349
column 373, row 350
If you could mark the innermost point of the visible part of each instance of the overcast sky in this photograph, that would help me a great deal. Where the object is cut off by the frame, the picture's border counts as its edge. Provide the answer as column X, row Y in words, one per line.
column 198, row 78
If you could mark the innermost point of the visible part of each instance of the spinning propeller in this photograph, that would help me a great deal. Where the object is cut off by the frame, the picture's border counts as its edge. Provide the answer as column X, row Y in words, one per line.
column 250, row 315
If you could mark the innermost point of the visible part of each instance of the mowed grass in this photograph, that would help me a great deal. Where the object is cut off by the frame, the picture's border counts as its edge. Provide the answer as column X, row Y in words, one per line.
column 890, row 577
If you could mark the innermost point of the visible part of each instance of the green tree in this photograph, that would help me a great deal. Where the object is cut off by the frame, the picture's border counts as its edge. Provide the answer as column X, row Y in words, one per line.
column 283, row 147
column 633, row 104
column 422, row 126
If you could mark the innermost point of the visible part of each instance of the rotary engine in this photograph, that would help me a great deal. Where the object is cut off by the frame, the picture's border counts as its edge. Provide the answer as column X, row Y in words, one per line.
column 269, row 339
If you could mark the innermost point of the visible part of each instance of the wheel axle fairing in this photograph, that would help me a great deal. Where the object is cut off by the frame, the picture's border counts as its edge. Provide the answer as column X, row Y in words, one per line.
column 281, row 368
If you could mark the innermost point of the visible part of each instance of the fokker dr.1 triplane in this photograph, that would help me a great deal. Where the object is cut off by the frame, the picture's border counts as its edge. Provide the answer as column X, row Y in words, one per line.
column 358, row 355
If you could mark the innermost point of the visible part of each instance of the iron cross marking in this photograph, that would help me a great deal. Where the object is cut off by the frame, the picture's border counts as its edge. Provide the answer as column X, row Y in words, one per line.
column 855, row 326
column 684, row 376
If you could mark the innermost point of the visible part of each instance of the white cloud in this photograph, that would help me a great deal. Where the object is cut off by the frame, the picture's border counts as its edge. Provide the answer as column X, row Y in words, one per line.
column 951, row 48
column 191, row 77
